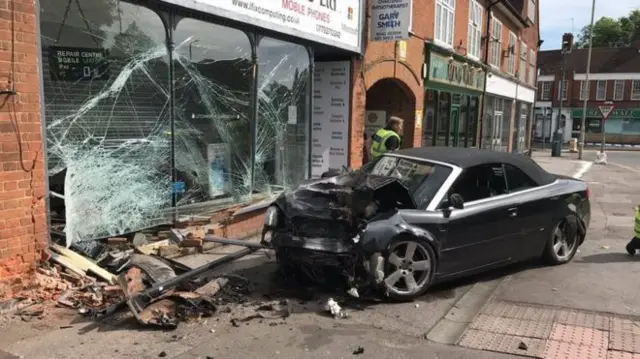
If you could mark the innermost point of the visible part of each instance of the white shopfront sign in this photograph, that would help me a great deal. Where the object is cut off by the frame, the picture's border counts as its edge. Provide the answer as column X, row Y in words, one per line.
column 330, row 120
column 500, row 86
column 390, row 20
column 332, row 22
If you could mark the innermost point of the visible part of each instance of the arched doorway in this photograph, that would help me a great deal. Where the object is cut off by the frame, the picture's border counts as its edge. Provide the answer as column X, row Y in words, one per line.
column 390, row 97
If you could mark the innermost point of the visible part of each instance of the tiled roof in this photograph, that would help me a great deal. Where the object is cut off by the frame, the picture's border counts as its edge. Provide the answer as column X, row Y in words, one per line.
column 603, row 60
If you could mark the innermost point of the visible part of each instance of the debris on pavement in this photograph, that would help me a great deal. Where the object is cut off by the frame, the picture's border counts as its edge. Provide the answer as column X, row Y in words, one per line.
column 358, row 351
column 523, row 346
column 334, row 308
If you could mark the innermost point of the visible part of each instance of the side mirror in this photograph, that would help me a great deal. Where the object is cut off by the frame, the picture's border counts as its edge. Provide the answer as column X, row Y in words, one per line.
column 456, row 201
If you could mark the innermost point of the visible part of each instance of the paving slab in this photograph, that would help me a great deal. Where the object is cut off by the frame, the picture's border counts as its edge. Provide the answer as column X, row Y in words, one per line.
column 624, row 341
column 562, row 350
column 580, row 335
column 517, row 327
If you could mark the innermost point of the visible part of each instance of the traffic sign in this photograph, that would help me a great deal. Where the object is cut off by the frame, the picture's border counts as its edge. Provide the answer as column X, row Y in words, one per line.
column 606, row 109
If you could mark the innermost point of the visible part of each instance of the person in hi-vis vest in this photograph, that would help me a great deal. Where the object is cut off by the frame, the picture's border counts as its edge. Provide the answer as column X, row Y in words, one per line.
column 634, row 244
column 388, row 138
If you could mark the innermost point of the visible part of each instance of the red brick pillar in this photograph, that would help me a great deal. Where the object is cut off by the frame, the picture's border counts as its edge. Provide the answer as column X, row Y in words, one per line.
column 23, row 224
column 358, row 101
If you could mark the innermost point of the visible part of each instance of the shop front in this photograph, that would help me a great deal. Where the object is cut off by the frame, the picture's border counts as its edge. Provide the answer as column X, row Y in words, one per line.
column 159, row 110
column 622, row 127
column 453, row 91
column 507, row 115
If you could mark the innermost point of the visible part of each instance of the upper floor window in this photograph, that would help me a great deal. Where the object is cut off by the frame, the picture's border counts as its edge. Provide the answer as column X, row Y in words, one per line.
column 618, row 90
column 531, row 11
column 511, row 52
column 545, row 91
column 601, row 90
column 496, row 42
column 532, row 67
column 635, row 90
column 562, row 94
column 584, row 91
column 475, row 29
column 445, row 16
column 522, row 68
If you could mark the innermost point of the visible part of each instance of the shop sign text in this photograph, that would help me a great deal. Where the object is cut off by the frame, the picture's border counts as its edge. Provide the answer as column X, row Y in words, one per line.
column 616, row 113
column 455, row 73
column 333, row 22
column 77, row 64
column 390, row 20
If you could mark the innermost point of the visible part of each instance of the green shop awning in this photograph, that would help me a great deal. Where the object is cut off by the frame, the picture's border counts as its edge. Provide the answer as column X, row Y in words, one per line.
column 619, row 113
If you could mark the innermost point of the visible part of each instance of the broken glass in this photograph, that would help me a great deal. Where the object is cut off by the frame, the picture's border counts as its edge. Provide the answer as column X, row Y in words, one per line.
column 113, row 140
column 282, row 148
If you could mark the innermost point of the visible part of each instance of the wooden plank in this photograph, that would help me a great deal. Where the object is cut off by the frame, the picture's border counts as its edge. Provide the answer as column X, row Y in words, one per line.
column 84, row 263
column 67, row 263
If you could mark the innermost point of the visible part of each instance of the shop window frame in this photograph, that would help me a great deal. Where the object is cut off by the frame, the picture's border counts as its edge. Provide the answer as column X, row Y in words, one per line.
column 170, row 16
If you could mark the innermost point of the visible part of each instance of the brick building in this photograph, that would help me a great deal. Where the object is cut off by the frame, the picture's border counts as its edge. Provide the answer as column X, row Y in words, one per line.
column 614, row 76
column 436, row 79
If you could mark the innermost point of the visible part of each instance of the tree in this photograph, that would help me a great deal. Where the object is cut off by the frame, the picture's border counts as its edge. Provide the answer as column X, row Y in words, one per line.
column 608, row 32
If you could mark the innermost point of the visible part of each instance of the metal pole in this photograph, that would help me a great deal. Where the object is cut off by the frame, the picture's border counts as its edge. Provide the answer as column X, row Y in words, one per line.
column 564, row 67
column 602, row 136
column 586, row 81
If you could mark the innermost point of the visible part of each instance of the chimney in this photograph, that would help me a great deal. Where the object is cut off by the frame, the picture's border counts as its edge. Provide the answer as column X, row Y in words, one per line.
column 567, row 42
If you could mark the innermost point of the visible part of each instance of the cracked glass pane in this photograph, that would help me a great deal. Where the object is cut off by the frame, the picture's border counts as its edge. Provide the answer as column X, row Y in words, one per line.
column 282, row 144
column 213, row 76
column 107, row 117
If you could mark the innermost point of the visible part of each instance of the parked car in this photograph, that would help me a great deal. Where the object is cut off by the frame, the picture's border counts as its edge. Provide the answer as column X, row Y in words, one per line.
column 419, row 216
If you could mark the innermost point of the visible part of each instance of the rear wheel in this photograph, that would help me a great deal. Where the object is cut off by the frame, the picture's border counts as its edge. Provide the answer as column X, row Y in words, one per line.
column 409, row 268
column 563, row 244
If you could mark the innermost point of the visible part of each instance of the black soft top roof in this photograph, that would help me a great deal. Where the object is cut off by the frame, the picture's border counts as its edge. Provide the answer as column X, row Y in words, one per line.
column 470, row 157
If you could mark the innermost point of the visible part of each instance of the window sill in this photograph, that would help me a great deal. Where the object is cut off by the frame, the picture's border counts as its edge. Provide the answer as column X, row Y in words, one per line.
column 442, row 44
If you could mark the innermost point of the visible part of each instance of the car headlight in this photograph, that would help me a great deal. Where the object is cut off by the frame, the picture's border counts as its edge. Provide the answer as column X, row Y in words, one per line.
column 271, row 217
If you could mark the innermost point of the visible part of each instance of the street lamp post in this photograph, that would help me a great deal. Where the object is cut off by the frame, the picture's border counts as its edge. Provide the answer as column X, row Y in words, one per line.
column 583, row 122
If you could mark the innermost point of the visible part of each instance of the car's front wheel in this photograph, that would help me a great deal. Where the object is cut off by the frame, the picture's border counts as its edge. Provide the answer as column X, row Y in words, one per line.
column 409, row 268
column 563, row 243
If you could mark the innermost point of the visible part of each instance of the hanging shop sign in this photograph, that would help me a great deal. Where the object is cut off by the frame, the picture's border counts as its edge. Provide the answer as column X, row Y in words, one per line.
column 77, row 63
column 448, row 71
column 330, row 119
column 390, row 20
column 631, row 113
column 332, row 22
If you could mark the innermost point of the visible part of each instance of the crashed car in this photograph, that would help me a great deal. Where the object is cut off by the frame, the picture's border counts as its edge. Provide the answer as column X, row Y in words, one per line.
column 419, row 216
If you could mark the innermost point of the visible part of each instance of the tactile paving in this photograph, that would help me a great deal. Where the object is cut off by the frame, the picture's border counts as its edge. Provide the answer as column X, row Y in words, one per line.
column 582, row 319
column 624, row 341
column 510, row 310
column 624, row 325
column 476, row 339
column 562, row 350
column 512, row 344
column 517, row 327
column 614, row 354
column 580, row 335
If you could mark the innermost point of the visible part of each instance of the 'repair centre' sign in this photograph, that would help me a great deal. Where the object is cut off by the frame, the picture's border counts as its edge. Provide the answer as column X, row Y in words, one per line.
column 333, row 22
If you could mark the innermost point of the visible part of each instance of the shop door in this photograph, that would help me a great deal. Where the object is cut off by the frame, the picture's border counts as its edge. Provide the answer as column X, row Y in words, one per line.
column 454, row 132
column 496, row 140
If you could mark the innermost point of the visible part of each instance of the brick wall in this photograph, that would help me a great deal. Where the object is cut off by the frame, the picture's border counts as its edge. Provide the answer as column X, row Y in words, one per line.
column 23, row 229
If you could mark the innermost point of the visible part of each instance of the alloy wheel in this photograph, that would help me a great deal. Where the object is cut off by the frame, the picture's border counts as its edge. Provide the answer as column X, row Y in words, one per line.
column 408, row 267
column 562, row 245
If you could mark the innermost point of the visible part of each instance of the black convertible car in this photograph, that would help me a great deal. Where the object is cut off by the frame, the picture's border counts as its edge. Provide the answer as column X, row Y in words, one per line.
column 424, row 215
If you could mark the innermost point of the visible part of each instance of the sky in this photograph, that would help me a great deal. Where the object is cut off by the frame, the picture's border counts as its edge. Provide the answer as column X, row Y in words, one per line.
column 556, row 15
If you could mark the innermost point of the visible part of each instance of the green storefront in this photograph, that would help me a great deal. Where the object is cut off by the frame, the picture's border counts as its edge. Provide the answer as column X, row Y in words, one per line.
column 621, row 127
column 453, row 91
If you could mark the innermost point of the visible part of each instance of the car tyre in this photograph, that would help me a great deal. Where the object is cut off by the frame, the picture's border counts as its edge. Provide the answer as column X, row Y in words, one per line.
column 410, row 264
column 563, row 242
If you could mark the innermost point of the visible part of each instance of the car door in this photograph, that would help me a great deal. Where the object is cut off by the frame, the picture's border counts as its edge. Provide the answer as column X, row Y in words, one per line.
column 532, row 217
column 475, row 235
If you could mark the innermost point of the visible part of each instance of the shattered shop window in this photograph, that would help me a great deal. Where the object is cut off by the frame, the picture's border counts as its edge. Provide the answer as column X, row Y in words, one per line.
column 282, row 143
column 107, row 118
column 213, row 135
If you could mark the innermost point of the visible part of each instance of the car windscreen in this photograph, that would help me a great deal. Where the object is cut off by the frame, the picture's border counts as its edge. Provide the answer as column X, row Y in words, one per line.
column 422, row 178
